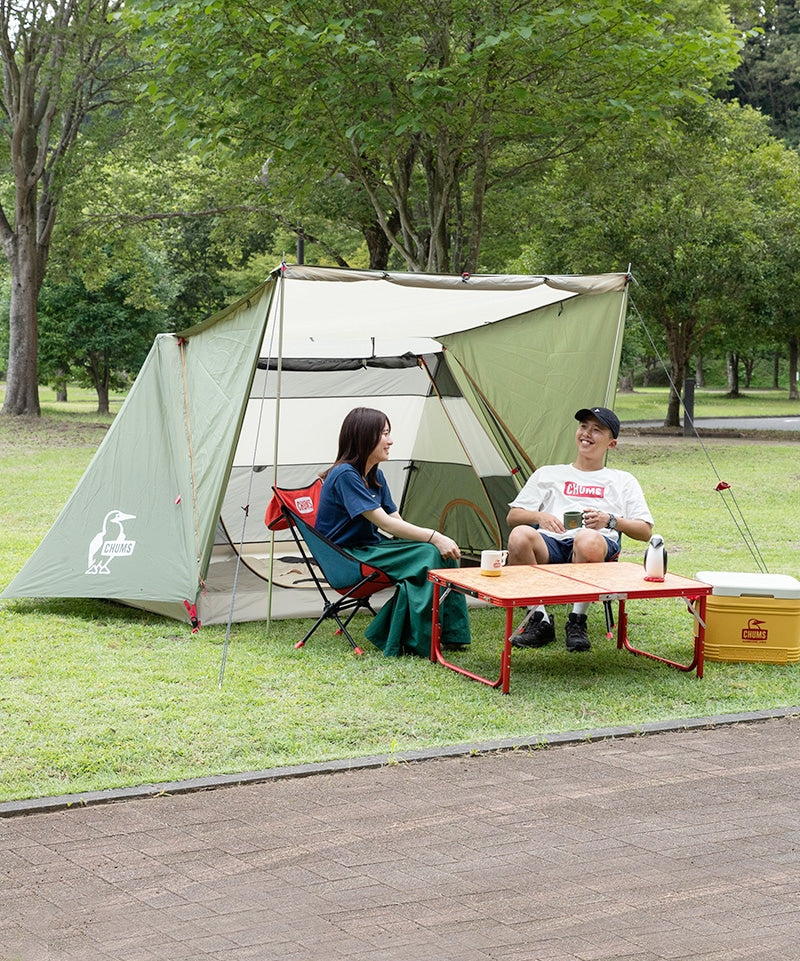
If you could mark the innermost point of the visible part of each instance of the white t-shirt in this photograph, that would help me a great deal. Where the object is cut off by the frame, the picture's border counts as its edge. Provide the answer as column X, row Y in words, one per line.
column 557, row 488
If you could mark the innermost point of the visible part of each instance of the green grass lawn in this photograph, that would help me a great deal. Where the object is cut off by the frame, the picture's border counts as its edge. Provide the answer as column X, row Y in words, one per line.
column 650, row 403
column 94, row 695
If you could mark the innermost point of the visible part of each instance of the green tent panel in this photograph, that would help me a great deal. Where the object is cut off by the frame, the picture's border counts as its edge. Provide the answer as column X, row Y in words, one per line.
column 139, row 525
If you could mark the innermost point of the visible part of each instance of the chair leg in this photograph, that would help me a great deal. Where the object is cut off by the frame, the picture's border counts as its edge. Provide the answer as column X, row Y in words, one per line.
column 362, row 603
column 330, row 611
column 356, row 609
column 347, row 634
column 317, row 623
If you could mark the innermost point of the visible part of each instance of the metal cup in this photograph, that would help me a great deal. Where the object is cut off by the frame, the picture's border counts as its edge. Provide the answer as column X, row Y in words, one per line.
column 573, row 520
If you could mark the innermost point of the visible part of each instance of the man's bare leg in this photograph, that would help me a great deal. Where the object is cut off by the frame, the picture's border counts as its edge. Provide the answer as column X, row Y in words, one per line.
column 526, row 546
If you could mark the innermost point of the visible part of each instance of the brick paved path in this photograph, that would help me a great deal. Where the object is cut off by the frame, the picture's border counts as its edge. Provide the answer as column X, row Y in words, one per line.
column 671, row 846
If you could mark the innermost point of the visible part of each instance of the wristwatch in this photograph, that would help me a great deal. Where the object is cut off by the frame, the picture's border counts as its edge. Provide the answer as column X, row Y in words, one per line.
column 612, row 522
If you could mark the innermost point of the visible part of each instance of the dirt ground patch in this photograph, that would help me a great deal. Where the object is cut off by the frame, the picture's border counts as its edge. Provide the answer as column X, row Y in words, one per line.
column 35, row 433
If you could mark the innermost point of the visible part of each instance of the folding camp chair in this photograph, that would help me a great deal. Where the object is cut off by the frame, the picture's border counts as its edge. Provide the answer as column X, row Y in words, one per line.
column 351, row 578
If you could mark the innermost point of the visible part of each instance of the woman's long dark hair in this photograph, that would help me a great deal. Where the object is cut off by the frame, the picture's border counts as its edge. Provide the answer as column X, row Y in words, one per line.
column 359, row 435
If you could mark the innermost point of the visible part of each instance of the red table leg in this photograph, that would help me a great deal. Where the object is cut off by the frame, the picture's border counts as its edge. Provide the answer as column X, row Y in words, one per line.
column 505, row 657
column 436, row 627
column 437, row 657
column 699, row 641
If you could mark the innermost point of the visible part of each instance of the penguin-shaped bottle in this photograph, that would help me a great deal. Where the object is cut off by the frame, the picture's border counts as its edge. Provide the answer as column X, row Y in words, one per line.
column 655, row 559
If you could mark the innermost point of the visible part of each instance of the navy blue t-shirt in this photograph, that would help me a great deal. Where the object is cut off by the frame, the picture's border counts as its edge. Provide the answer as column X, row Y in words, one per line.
column 343, row 500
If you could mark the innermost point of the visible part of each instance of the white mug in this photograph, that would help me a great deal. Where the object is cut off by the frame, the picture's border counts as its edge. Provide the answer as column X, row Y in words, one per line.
column 492, row 562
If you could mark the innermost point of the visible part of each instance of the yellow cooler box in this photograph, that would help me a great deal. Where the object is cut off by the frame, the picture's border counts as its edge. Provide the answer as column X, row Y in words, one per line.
column 752, row 617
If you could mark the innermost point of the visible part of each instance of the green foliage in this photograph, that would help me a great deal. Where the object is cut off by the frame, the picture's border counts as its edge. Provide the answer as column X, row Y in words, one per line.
column 171, row 222
column 94, row 336
column 768, row 76
column 62, row 62
column 419, row 108
column 428, row 136
column 708, row 219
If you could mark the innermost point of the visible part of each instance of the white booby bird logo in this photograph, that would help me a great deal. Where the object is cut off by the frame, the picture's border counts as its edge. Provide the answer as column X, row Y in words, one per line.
column 104, row 546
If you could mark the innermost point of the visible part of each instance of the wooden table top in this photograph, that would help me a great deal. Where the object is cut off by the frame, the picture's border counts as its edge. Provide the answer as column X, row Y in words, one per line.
column 567, row 583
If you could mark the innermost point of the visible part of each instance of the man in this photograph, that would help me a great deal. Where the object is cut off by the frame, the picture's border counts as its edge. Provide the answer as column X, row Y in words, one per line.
column 611, row 501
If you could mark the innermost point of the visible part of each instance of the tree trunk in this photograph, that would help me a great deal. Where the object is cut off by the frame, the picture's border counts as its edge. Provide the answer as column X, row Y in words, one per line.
column 699, row 373
column 51, row 55
column 673, row 418
column 61, row 387
column 679, row 343
column 378, row 243
column 480, row 178
column 776, row 369
column 102, row 397
column 733, row 374
column 378, row 247
column 99, row 373
column 793, row 395
column 22, row 384
column 749, row 366
column 441, row 175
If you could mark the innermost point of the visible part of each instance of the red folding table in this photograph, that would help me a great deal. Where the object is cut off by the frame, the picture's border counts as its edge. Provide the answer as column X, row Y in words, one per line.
column 526, row 586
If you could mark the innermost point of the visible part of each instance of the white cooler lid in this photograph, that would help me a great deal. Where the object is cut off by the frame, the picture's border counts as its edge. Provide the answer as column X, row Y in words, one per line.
column 742, row 584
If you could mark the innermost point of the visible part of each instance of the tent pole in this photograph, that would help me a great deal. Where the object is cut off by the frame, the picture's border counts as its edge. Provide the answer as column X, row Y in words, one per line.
column 281, row 295
column 611, row 387
column 246, row 512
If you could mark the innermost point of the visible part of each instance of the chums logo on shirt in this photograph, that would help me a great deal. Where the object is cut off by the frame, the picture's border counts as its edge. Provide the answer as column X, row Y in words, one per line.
column 573, row 489
column 755, row 632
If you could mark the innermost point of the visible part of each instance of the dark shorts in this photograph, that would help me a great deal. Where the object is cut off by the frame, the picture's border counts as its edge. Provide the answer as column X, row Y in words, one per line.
column 560, row 551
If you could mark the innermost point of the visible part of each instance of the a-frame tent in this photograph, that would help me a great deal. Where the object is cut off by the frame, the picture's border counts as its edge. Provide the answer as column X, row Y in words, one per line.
column 480, row 377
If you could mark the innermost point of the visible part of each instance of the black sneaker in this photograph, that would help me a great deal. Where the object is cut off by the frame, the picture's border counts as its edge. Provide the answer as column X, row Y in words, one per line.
column 577, row 635
column 537, row 633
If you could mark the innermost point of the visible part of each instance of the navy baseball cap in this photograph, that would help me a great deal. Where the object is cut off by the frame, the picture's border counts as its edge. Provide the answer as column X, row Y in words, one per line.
column 603, row 414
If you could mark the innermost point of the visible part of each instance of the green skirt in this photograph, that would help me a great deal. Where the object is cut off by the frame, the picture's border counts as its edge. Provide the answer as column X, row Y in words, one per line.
column 403, row 624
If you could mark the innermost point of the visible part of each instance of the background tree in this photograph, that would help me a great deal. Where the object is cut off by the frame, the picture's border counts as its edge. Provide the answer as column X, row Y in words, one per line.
column 768, row 76
column 442, row 137
column 694, row 206
column 423, row 108
column 95, row 336
column 202, row 222
column 57, row 62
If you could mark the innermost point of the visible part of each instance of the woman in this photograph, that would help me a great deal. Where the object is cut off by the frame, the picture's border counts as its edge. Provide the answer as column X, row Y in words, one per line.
column 355, row 506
